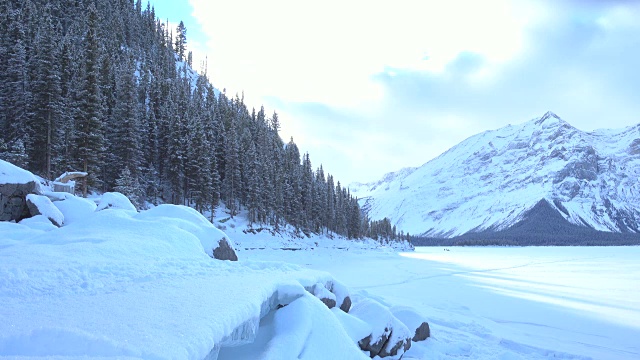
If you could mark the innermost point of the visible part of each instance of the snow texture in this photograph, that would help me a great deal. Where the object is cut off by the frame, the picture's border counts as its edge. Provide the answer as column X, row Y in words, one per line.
column 39, row 222
column 11, row 174
column 115, row 200
column 122, row 285
column 73, row 208
column 185, row 218
column 492, row 179
column 501, row 303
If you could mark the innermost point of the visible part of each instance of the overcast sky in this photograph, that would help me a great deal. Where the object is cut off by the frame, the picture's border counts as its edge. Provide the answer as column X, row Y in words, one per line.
column 370, row 87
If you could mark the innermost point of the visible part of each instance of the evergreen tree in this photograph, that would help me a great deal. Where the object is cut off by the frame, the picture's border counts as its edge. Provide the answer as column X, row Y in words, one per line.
column 46, row 101
column 127, row 184
column 90, row 141
column 181, row 40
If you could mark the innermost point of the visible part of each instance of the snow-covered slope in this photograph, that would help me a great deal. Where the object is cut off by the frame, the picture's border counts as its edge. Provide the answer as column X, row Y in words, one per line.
column 492, row 179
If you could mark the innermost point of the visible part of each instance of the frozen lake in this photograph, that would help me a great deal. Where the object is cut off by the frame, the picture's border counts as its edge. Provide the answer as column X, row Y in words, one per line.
column 501, row 303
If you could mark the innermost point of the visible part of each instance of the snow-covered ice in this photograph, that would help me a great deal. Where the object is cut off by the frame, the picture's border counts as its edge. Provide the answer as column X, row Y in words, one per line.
column 500, row 303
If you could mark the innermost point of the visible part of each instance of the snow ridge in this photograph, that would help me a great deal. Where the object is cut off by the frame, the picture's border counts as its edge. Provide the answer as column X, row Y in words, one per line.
column 490, row 180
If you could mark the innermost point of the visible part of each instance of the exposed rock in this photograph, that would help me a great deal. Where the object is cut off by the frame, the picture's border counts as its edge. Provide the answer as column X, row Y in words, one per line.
column 374, row 346
column 325, row 295
column 224, row 251
column 389, row 336
column 15, row 185
column 422, row 332
column 329, row 302
column 41, row 205
column 400, row 343
column 414, row 321
column 346, row 304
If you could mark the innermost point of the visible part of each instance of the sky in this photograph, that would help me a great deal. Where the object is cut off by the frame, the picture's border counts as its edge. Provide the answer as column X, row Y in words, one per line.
column 370, row 87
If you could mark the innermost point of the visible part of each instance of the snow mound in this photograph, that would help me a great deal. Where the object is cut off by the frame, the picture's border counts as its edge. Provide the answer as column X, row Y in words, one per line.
column 11, row 174
column 39, row 222
column 115, row 200
column 73, row 208
column 188, row 219
column 304, row 329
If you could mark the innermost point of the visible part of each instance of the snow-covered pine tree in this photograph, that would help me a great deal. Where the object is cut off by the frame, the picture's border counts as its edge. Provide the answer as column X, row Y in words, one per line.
column 127, row 184
column 181, row 40
column 46, row 100
column 90, row 140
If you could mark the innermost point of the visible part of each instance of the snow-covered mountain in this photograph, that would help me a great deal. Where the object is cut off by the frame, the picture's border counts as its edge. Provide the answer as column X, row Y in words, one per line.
column 491, row 180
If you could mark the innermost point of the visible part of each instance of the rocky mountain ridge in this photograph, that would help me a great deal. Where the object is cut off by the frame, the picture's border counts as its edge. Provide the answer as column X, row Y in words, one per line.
column 490, row 181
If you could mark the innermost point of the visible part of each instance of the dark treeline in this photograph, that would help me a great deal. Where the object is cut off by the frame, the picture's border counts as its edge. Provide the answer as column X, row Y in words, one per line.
column 383, row 230
column 103, row 86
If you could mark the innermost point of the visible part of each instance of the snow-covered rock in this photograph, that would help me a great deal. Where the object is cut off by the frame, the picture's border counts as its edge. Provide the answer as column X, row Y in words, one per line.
column 388, row 336
column 326, row 296
column 413, row 321
column 74, row 208
column 15, row 185
column 115, row 200
column 214, row 242
column 41, row 205
column 491, row 180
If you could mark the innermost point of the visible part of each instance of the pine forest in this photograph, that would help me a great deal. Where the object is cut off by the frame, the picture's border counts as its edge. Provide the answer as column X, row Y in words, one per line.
column 105, row 87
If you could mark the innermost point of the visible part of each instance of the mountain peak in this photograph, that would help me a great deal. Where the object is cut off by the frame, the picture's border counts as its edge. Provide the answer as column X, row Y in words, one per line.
column 489, row 181
column 549, row 115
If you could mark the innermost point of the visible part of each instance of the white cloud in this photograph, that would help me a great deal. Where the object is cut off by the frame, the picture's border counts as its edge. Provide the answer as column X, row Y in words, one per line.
column 369, row 87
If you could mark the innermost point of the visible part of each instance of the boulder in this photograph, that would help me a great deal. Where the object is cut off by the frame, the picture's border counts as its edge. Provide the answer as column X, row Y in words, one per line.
column 224, row 251
column 15, row 185
column 395, row 346
column 389, row 337
column 422, row 332
column 341, row 293
column 346, row 304
column 41, row 205
column 414, row 321
column 374, row 345
column 325, row 295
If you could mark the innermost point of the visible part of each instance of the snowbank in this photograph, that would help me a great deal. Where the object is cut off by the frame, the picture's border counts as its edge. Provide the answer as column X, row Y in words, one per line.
column 118, row 285
column 115, row 200
column 112, row 282
column 11, row 174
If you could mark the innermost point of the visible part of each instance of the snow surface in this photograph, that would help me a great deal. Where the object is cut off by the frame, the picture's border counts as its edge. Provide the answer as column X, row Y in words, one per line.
column 118, row 285
column 185, row 218
column 11, row 174
column 115, row 200
column 74, row 209
column 499, row 303
column 491, row 179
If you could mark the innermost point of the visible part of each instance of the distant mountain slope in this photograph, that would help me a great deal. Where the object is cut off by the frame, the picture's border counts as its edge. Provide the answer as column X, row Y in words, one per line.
column 491, row 180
